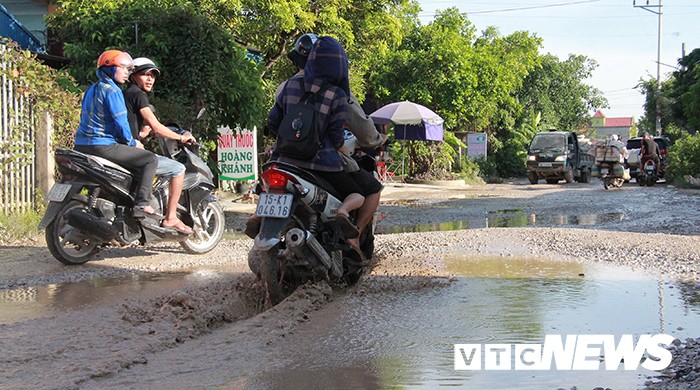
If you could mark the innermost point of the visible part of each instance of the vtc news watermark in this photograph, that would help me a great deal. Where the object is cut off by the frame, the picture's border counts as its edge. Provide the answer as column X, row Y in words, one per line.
column 577, row 352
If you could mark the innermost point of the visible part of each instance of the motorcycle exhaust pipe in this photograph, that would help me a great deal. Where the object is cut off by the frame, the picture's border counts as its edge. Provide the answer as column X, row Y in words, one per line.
column 297, row 240
column 91, row 225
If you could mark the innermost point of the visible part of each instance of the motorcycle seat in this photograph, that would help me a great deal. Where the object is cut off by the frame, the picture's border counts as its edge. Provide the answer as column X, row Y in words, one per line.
column 92, row 158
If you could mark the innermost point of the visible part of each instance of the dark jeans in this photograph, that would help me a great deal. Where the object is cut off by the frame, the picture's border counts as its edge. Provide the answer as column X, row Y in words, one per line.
column 140, row 162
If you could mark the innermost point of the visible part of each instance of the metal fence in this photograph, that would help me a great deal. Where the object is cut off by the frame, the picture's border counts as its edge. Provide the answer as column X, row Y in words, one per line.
column 17, row 148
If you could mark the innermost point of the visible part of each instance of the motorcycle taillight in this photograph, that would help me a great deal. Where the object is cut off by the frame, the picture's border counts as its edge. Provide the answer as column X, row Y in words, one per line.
column 274, row 179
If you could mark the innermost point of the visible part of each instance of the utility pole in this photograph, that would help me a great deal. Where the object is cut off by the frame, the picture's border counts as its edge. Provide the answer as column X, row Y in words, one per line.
column 658, row 10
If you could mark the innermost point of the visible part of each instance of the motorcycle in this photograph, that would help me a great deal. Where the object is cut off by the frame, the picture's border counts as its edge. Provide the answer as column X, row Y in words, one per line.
column 648, row 175
column 298, row 239
column 607, row 166
column 612, row 175
column 91, row 207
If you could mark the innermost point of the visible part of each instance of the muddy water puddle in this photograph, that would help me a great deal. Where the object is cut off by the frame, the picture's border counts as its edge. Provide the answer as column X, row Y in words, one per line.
column 42, row 301
column 506, row 218
column 405, row 339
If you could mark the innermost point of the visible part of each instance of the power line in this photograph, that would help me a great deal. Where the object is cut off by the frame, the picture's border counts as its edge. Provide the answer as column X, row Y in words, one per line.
column 534, row 7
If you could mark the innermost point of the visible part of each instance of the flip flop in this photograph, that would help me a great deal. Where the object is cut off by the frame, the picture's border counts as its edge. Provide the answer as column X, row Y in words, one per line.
column 348, row 228
column 142, row 211
column 180, row 227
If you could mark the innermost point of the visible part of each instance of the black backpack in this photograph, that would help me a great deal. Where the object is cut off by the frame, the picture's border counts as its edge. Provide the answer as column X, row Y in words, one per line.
column 297, row 136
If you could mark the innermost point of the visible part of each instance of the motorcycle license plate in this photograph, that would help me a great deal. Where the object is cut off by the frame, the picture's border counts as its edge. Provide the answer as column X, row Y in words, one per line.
column 58, row 192
column 274, row 205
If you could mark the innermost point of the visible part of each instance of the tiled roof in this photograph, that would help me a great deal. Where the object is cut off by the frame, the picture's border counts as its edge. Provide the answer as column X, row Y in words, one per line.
column 598, row 114
column 618, row 122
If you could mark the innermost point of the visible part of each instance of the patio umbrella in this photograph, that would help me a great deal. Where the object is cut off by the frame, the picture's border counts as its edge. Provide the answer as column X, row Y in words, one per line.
column 411, row 121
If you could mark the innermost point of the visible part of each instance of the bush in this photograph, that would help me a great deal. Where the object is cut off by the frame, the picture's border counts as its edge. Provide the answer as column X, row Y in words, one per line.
column 19, row 227
column 683, row 159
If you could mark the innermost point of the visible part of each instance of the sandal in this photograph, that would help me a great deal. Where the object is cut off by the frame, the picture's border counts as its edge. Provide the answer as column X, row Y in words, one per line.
column 142, row 211
column 348, row 228
column 179, row 227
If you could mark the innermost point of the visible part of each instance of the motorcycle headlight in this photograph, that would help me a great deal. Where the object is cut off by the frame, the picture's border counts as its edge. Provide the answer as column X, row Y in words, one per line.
column 560, row 158
column 531, row 157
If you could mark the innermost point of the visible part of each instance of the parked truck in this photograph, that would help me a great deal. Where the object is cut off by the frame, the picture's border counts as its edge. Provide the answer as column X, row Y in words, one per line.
column 557, row 155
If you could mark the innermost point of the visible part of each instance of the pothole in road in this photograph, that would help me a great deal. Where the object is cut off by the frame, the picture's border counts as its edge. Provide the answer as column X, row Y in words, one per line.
column 407, row 340
column 504, row 218
column 42, row 301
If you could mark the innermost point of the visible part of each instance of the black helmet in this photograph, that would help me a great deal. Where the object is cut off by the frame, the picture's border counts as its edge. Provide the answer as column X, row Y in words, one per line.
column 302, row 47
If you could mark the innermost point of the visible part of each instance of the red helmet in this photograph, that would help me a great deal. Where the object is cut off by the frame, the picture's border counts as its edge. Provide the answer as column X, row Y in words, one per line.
column 115, row 58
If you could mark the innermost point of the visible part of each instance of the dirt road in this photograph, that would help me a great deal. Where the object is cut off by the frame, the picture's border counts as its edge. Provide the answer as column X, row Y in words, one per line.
column 158, row 318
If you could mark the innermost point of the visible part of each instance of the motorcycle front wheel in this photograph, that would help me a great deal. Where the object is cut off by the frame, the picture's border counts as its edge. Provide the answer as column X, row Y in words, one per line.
column 66, row 243
column 208, row 229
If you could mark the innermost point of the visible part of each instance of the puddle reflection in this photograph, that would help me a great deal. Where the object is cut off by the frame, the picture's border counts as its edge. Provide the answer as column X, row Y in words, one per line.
column 503, row 218
column 407, row 340
column 35, row 302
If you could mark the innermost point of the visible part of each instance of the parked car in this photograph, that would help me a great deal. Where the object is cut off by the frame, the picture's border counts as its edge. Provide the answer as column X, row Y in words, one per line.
column 634, row 145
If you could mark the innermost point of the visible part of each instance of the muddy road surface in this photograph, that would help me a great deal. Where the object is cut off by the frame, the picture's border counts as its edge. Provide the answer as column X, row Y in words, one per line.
column 506, row 263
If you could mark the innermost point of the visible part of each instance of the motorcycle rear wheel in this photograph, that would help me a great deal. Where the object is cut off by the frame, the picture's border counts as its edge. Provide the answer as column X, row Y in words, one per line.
column 67, row 244
column 271, row 278
column 210, row 231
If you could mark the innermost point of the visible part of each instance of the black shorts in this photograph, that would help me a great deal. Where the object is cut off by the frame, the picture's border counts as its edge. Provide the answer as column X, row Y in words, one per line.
column 367, row 182
column 361, row 182
column 341, row 181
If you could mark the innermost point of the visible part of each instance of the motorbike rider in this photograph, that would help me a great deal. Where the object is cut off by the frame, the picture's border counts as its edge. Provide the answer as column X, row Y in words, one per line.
column 362, row 127
column 327, row 64
column 615, row 142
column 142, row 121
column 649, row 151
column 104, row 128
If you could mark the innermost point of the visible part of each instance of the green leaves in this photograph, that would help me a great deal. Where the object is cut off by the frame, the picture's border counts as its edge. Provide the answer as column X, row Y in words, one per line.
column 46, row 91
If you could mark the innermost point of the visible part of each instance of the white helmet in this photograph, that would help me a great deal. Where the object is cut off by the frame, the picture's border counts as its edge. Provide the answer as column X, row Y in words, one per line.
column 144, row 65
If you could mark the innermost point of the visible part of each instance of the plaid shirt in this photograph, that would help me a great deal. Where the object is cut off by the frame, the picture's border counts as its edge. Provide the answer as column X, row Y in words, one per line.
column 327, row 66
column 331, row 114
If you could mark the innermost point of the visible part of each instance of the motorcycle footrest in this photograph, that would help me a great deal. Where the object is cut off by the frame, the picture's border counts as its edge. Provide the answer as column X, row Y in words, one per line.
column 153, row 226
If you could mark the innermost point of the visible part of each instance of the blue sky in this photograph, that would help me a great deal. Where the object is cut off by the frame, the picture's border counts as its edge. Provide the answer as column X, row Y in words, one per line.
column 620, row 37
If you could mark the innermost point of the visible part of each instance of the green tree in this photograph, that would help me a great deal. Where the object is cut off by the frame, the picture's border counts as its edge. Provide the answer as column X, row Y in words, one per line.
column 557, row 90
column 684, row 158
column 683, row 93
column 45, row 90
column 468, row 80
column 201, row 63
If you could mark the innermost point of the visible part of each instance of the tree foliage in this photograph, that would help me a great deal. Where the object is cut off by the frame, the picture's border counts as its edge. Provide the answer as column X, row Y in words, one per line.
column 556, row 89
column 44, row 89
column 684, row 158
column 200, row 62
column 478, row 82
column 487, row 83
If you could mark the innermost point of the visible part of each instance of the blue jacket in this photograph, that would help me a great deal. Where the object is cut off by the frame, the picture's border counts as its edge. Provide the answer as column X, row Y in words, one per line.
column 103, row 118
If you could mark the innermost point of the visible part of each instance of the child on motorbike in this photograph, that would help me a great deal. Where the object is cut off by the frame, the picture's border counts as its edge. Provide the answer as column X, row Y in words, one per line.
column 104, row 129
column 142, row 121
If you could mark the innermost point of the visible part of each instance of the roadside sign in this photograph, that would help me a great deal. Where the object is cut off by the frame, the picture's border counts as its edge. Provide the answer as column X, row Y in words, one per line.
column 237, row 154
column 476, row 145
